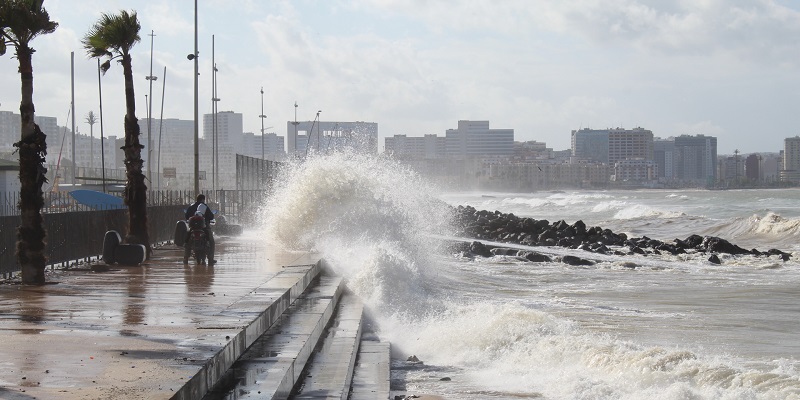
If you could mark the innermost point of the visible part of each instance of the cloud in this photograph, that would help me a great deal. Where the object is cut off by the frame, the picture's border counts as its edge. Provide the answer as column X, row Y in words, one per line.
column 755, row 31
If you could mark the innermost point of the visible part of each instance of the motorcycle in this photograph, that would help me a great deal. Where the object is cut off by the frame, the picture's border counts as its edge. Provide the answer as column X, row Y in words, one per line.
column 192, row 234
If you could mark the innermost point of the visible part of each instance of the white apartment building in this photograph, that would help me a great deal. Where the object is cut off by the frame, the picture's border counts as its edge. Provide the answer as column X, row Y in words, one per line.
column 474, row 138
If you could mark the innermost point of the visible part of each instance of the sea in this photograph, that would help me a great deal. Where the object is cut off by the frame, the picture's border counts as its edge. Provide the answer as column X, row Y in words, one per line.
column 628, row 327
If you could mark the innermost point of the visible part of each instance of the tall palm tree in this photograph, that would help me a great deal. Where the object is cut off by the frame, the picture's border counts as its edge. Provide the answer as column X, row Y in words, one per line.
column 91, row 119
column 20, row 22
column 113, row 37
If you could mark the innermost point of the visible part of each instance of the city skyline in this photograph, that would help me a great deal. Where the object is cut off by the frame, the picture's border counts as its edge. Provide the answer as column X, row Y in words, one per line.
column 543, row 69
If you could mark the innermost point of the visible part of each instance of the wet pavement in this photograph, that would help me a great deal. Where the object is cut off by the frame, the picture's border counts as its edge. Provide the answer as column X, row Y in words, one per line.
column 140, row 332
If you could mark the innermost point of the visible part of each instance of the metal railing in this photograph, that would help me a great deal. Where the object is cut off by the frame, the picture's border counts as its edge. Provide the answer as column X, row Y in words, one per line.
column 75, row 233
column 78, row 235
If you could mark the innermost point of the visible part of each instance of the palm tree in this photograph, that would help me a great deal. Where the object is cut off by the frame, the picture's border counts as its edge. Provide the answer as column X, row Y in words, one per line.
column 20, row 22
column 91, row 119
column 112, row 37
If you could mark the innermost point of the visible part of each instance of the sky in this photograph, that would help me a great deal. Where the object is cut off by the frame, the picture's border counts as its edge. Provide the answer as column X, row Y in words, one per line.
column 725, row 68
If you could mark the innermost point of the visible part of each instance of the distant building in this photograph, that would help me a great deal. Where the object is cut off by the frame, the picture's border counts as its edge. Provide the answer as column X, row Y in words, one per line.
column 173, row 152
column 11, row 129
column 752, row 168
column 325, row 136
column 612, row 145
column 696, row 158
column 474, row 138
column 731, row 169
column 635, row 170
column 220, row 146
column 664, row 157
column 532, row 150
column 270, row 145
column 426, row 147
column 791, row 160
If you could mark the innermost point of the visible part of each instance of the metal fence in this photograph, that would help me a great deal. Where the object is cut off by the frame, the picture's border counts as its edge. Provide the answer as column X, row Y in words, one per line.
column 75, row 233
column 78, row 235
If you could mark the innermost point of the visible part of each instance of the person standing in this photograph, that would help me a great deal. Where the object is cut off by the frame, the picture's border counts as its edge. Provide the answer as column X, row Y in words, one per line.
column 200, row 205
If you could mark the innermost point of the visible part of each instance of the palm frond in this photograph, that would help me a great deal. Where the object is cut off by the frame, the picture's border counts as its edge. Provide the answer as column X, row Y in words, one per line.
column 24, row 20
column 112, row 35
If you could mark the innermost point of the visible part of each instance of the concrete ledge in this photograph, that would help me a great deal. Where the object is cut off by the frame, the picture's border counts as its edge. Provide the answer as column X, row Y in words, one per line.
column 371, row 378
column 331, row 370
column 258, row 312
column 272, row 365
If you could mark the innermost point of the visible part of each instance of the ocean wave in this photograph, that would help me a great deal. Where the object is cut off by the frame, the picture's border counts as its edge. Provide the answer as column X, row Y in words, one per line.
column 769, row 228
column 513, row 348
column 613, row 205
column 370, row 218
column 638, row 211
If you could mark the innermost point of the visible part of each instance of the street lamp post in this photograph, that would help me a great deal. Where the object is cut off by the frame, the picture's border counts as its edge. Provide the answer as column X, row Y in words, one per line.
column 150, row 78
column 262, row 117
column 214, row 130
column 193, row 56
column 161, row 125
column 295, row 130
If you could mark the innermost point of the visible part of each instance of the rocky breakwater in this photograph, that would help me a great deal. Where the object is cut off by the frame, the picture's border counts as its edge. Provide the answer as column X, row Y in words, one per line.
column 508, row 228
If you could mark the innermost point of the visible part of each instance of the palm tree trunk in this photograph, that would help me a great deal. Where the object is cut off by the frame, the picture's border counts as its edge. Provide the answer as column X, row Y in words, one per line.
column 135, row 188
column 32, row 150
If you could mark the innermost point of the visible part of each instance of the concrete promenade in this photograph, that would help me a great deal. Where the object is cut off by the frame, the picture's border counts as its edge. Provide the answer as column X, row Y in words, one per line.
column 145, row 332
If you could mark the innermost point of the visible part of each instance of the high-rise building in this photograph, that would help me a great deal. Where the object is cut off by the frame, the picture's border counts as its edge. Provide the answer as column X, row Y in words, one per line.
column 220, row 148
column 613, row 145
column 791, row 160
column 590, row 144
column 696, row 158
column 474, row 138
column 664, row 156
column 173, row 152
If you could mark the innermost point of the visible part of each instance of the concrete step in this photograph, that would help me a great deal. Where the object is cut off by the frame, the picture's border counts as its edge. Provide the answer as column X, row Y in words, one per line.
column 371, row 378
column 271, row 367
column 249, row 317
column 330, row 370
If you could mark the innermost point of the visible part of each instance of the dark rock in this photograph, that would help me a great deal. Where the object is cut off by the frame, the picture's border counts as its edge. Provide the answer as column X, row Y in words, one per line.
column 503, row 251
column 693, row 241
column 579, row 227
column 480, row 249
column 534, row 256
column 713, row 244
column 572, row 260
column 637, row 250
column 714, row 259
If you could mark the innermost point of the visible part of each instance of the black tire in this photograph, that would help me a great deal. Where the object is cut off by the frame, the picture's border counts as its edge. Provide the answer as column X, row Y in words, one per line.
column 111, row 240
column 200, row 255
column 181, row 230
column 130, row 254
